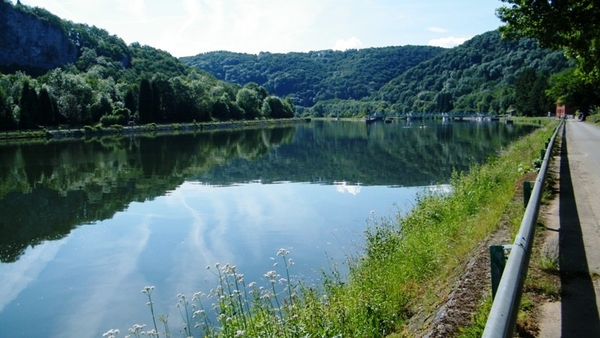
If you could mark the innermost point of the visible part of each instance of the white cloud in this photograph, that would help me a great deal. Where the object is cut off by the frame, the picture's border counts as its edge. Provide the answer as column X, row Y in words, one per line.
column 134, row 8
column 437, row 30
column 17, row 276
column 447, row 42
column 188, row 27
column 351, row 43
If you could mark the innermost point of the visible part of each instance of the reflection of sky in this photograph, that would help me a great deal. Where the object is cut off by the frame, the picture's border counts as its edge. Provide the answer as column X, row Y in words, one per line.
column 90, row 281
column 343, row 187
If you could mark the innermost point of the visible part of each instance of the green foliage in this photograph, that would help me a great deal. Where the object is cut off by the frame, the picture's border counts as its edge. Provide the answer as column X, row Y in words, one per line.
column 480, row 75
column 569, row 25
column 29, row 107
column 444, row 103
column 146, row 107
column 308, row 78
column 7, row 120
column 475, row 330
column 120, row 116
column 153, row 85
column 572, row 26
column 531, row 99
column 571, row 88
column 273, row 107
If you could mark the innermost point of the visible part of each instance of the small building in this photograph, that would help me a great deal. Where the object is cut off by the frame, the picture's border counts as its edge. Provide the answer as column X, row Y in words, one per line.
column 564, row 110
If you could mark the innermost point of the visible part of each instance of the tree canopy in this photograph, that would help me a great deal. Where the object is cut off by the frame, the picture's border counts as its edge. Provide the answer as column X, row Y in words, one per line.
column 308, row 78
column 477, row 76
column 571, row 25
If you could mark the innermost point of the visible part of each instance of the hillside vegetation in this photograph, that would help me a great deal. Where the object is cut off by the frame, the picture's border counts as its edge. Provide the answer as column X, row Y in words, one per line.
column 316, row 76
column 482, row 75
column 73, row 74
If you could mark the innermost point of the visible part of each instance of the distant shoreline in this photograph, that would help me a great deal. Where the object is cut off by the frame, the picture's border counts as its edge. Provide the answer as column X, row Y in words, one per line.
column 146, row 129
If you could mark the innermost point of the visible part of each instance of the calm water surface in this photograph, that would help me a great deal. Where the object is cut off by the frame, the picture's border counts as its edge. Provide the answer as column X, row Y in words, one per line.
column 86, row 224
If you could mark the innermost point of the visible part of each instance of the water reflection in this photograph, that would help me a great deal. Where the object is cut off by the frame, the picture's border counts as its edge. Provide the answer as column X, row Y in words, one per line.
column 48, row 189
column 86, row 224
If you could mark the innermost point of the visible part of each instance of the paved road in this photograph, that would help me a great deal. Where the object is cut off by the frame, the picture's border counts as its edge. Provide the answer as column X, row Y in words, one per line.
column 577, row 219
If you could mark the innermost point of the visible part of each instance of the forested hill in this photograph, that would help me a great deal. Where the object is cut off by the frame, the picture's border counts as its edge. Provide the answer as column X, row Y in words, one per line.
column 55, row 72
column 316, row 76
column 482, row 75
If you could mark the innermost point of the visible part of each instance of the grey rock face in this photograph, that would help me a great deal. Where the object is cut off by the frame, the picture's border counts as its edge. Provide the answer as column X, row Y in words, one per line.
column 27, row 41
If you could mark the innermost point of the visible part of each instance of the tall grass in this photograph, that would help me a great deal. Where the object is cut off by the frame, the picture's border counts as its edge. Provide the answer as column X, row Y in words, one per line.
column 406, row 262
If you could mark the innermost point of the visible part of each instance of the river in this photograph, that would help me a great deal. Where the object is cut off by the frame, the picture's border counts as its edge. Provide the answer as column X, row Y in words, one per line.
column 86, row 224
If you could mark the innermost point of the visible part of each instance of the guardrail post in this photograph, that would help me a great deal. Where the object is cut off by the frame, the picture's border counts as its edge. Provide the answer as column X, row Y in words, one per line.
column 497, row 264
column 526, row 192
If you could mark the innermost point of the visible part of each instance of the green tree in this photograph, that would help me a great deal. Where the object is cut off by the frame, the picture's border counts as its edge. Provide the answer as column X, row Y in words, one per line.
column 273, row 107
column 220, row 109
column 445, row 103
column 569, row 87
column 74, row 96
column 29, row 104
column 49, row 113
column 289, row 108
column 130, row 100
column 101, row 107
column 156, row 103
column 145, row 102
column 531, row 99
column 250, row 102
column 572, row 25
column 7, row 120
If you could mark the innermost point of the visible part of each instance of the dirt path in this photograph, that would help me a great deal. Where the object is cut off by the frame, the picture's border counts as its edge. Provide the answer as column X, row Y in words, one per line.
column 573, row 221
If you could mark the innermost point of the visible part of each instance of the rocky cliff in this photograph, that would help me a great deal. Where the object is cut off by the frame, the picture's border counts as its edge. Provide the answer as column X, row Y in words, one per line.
column 28, row 42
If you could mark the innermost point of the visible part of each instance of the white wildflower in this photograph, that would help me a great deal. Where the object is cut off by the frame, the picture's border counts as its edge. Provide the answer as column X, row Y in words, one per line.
column 282, row 252
column 271, row 274
column 147, row 289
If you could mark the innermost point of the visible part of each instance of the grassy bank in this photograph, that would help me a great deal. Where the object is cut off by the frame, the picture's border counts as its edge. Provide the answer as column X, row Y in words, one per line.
column 404, row 267
column 409, row 260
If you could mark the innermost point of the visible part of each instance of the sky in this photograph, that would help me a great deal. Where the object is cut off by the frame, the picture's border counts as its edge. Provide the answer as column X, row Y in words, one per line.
column 190, row 27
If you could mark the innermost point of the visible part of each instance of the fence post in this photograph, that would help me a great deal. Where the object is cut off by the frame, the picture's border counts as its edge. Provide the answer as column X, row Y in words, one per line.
column 497, row 263
column 526, row 192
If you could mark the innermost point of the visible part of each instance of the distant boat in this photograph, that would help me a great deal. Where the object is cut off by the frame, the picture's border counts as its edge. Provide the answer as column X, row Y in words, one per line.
column 374, row 117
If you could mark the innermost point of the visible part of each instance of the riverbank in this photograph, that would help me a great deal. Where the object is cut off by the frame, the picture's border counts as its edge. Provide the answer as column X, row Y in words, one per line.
column 152, row 129
column 434, row 245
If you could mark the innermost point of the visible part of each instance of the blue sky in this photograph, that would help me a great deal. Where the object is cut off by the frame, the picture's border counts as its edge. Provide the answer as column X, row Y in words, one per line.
column 189, row 27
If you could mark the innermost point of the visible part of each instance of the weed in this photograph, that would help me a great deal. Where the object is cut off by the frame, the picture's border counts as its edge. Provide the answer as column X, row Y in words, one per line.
column 479, row 319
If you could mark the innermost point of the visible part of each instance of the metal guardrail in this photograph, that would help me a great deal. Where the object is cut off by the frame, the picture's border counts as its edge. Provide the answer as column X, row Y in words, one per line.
column 503, row 315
